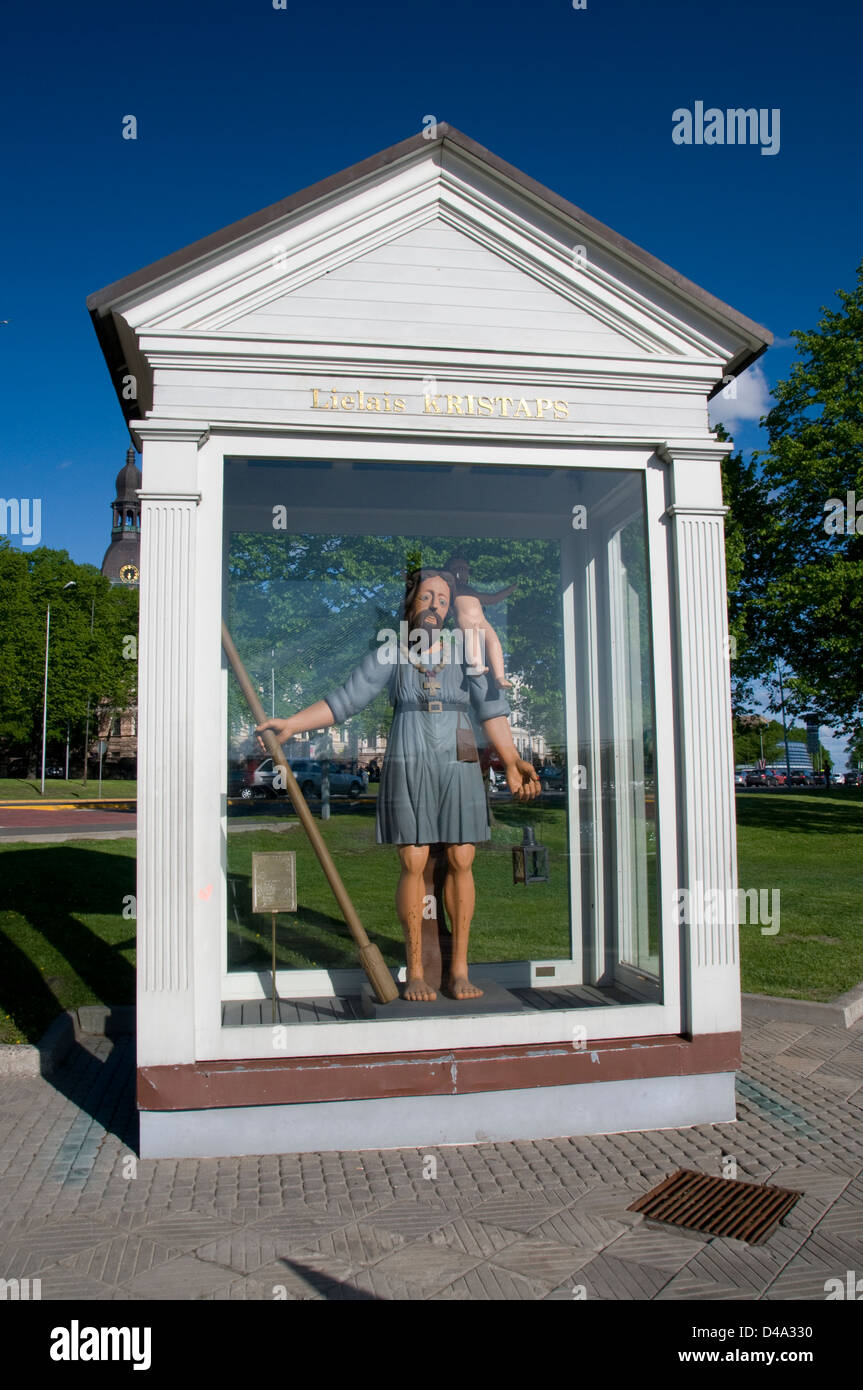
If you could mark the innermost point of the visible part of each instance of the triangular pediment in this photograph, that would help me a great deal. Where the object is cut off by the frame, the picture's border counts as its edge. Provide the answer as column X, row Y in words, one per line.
column 429, row 245
column 436, row 285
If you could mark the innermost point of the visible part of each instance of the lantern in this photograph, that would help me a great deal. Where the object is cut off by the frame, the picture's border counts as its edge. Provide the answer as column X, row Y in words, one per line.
column 529, row 859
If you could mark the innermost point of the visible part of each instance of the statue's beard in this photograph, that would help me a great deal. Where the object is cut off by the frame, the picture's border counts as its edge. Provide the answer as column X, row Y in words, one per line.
column 429, row 621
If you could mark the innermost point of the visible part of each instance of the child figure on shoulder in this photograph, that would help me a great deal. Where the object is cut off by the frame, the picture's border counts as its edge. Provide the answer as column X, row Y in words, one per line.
column 481, row 642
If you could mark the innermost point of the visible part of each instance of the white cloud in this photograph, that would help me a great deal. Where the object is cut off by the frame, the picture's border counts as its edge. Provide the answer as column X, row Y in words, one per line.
column 749, row 399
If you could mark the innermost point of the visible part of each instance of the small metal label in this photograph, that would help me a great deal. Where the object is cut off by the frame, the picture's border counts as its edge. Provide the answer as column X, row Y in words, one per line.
column 274, row 882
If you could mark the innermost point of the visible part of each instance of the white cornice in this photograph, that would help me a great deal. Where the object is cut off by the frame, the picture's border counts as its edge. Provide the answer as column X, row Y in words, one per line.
column 164, row 496
column 316, row 360
column 167, row 430
column 675, row 510
column 696, row 451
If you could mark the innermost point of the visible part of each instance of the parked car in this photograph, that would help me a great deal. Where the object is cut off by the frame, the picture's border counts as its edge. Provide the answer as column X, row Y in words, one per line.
column 756, row 777
column 344, row 780
column 553, row 779
column 740, row 779
column 853, row 778
column 240, row 784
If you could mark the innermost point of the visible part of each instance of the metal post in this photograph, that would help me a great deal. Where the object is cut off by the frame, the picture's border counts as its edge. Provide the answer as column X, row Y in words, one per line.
column 67, row 750
column 784, row 725
column 45, row 693
column 275, row 1009
column 87, row 731
column 101, row 746
column 325, row 780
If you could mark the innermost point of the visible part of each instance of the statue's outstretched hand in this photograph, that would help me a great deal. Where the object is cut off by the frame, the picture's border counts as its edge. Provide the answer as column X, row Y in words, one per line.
column 282, row 728
column 522, row 780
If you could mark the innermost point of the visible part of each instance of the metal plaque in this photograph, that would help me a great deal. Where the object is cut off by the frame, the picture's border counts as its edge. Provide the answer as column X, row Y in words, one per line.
column 274, row 882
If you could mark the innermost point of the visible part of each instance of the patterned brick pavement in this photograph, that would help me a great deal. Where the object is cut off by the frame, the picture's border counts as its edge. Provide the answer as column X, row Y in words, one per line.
column 522, row 1221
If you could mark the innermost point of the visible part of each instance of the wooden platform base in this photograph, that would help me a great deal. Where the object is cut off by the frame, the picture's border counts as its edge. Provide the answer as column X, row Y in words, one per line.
column 495, row 999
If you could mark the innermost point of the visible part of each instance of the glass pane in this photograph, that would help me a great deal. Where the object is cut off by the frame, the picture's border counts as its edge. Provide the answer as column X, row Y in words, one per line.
column 547, row 570
column 634, row 782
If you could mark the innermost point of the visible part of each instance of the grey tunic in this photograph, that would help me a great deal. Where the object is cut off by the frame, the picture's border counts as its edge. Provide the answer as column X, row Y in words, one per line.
column 426, row 795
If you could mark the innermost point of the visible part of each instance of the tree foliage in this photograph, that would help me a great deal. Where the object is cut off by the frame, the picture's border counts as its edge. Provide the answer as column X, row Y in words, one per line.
column 799, row 596
column 82, row 666
column 305, row 609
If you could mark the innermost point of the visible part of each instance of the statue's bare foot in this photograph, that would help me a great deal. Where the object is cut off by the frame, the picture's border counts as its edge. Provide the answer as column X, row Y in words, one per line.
column 416, row 988
column 460, row 987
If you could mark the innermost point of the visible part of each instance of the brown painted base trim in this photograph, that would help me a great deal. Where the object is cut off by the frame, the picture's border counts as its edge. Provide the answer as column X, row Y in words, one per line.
column 295, row 1080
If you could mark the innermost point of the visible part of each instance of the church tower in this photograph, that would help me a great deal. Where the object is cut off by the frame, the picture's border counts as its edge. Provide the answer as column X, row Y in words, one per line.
column 122, row 560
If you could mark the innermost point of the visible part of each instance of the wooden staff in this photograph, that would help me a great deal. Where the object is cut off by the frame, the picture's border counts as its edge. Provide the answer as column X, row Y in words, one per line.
column 371, row 959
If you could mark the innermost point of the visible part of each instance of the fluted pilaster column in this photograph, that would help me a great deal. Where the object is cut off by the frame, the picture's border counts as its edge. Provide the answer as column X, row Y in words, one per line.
column 708, row 859
column 166, row 700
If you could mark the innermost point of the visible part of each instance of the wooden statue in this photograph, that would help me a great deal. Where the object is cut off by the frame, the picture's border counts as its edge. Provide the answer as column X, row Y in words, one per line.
column 431, row 789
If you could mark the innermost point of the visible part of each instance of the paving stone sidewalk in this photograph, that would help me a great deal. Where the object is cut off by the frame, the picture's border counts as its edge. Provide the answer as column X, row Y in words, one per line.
column 539, row 1220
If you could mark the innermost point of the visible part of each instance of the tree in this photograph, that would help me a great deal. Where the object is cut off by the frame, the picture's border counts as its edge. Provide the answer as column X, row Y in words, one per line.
column 802, row 595
column 746, row 559
column 308, row 607
column 82, row 667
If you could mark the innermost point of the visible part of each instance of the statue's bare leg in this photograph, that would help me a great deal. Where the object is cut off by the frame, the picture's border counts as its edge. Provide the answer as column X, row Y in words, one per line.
column 460, row 899
column 409, row 905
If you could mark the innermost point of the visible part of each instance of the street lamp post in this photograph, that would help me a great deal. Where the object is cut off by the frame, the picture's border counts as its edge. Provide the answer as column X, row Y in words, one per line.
column 784, row 724
column 70, row 585
column 87, row 729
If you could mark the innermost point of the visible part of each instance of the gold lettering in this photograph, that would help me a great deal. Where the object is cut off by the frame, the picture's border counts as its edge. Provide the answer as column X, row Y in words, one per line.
column 468, row 404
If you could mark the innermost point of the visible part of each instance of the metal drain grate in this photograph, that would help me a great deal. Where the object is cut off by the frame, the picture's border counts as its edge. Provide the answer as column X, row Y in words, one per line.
column 717, row 1206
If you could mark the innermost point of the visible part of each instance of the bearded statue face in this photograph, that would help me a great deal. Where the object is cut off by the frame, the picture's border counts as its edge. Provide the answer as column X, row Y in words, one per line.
column 431, row 604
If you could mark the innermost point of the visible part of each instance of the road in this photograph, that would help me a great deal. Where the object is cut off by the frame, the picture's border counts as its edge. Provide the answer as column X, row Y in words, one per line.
column 57, row 821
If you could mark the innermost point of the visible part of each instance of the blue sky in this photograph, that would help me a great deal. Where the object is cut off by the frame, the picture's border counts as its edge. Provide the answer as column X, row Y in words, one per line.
column 239, row 104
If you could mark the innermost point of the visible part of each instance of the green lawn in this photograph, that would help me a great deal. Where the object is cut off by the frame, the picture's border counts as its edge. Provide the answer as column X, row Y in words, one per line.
column 316, row 935
column 810, row 847
column 56, row 789
column 64, row 940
